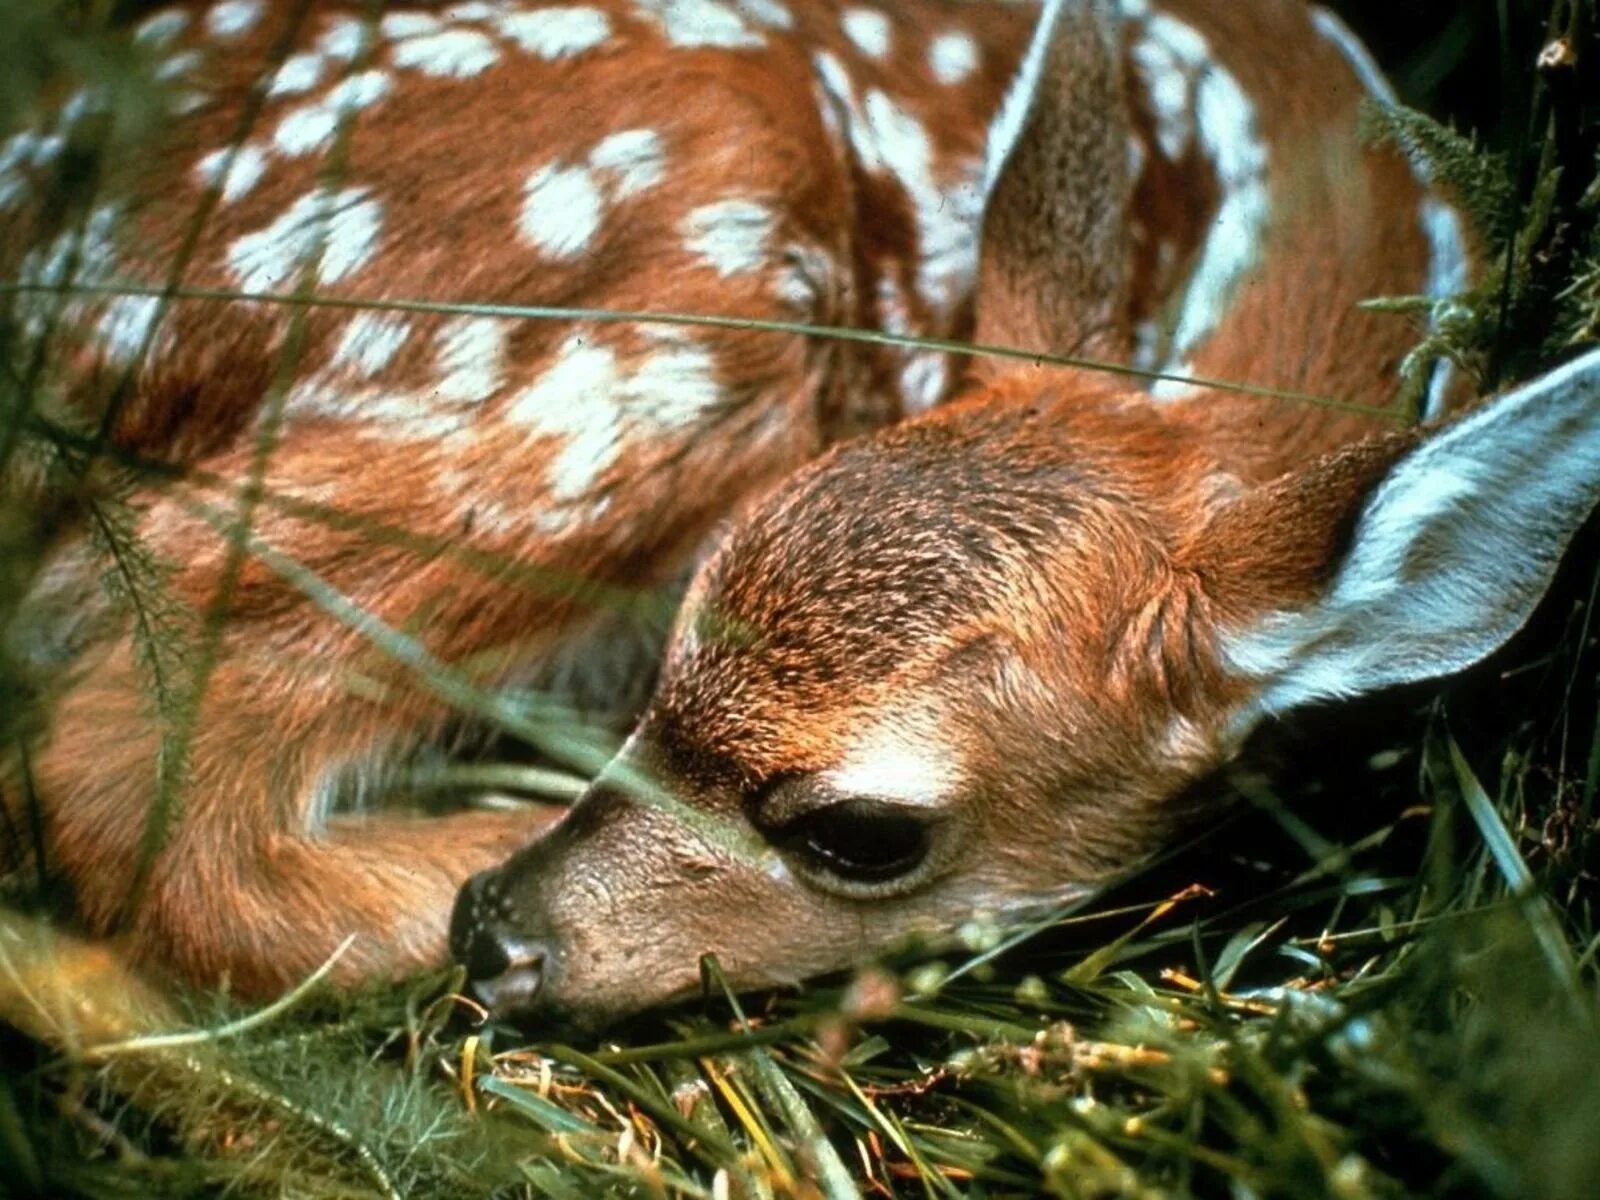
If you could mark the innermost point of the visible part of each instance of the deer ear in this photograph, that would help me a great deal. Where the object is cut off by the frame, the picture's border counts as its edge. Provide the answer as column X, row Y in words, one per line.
column 1053, row 256
column 1410, row 559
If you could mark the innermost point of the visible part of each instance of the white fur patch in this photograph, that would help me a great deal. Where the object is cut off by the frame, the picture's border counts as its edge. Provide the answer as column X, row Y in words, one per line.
column 947, row 213
column 634, row 158
column 245, row 165
column 306, row 130
column 556, row 33
column 311, row 128
column 1191, row 93
column 561, row 210
column 924, row 380
column 409, row 24
column 576, row 402
column 24, row 151
column 597, row 404
column 162, row 28
column 343, row 39
column 952, row 57
column 731, row 235
column 126, row 325
column 369, row 343
column 298, row 73
column 1168, row 86
column 233, row 18
column 179, row 65
column 472, row 354
column 947, row 205
column 86, row 255
column 448, row 54
column 674, row 387
column 868, row 29
column 336, row 233
column 698, row 23
column 890, row 762
column 564, row 204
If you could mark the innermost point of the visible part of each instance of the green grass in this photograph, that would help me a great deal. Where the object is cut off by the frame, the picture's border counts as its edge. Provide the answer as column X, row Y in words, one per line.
column 1374, row 974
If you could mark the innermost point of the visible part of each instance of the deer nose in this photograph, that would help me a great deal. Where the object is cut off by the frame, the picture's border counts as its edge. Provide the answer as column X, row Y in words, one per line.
column 506, row 969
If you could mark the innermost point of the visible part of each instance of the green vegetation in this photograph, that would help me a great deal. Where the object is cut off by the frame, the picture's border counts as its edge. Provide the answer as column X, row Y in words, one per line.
column 1378, row 975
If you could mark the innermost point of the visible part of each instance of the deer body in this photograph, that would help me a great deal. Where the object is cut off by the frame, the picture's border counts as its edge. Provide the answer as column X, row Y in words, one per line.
column 1055, row 584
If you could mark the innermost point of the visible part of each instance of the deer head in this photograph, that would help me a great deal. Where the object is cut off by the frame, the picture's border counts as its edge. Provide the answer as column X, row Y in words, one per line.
column 968, row 665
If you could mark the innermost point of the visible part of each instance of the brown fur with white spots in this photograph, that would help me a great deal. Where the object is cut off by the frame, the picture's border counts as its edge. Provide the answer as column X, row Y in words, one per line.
column 1018, row 598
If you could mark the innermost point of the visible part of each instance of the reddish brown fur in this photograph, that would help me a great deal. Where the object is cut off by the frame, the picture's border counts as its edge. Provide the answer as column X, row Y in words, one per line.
column 245, row 891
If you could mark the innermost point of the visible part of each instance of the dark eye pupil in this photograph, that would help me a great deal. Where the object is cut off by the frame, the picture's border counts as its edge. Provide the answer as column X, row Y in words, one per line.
column 862, row 841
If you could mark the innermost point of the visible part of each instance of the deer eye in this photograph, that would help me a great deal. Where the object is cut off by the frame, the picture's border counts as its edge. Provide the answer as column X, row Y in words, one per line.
column 860, row 841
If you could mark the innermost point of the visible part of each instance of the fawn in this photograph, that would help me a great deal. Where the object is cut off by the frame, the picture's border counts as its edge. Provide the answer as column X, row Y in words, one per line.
column 958, row 664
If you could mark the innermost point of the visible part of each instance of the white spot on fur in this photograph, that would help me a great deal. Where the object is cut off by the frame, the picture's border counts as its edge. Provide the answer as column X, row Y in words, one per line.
column 924, row 380
column 361, row 90
column 633, row 157
column 675, row 385
column 555, row 33
column 299, row 73
column 312, row 127
column 1226, row 121
column 561, row 210
column 1184, row 41
column 336, row 233
column 161, row 28
column 868, row 29
column 233, row 18
column 472, row 354
column 449, row 54
column 948, row 211
column 597, row 404
column 178, row 66
column 306, row 130
column 369, row 343
column 952, row 57
column 24, row 151
column 85, row 255
column 127, row 323
column 730, row 235
column 575, row 402
column 344, row 39
column 244, row 166
column 1168, row 87
column 947, row 216
column 700, row 23
column 409, row 24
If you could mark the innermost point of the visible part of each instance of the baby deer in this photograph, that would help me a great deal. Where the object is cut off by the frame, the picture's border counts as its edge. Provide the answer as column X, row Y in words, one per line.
column 961, row 664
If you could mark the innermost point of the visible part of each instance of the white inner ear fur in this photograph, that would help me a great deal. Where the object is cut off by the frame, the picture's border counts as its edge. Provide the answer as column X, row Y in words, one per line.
column 1450, row 555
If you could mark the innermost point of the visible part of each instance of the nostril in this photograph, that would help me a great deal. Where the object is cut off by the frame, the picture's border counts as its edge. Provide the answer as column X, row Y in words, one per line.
column 514, row 989
column 486, row 955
